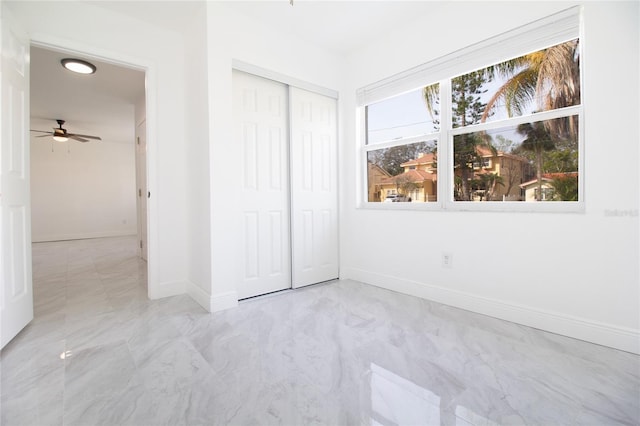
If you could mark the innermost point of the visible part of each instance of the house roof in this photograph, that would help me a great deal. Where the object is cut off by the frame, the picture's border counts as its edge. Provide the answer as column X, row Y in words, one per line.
column 377, row 168
column 486, row 152
column 423, row 159
column 482, row 151
column 410, row 176
column 548, row 177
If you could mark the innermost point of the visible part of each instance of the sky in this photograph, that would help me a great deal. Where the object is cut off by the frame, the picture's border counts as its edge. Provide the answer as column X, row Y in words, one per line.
column 406, row 115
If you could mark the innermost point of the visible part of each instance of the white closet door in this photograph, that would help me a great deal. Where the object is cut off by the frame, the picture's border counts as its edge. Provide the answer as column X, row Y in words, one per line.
column 314, row 187
column 260, row 113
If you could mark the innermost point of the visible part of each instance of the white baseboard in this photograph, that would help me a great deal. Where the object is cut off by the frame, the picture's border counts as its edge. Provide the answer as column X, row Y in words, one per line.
column 223, row 301
column 212, row 303
column 168, row 289
column 625, row 339
column 201, row 296
column 81, row 236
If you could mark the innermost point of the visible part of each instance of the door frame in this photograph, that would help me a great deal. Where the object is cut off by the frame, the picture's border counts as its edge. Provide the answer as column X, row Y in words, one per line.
column 149, row 68
column 282, row 78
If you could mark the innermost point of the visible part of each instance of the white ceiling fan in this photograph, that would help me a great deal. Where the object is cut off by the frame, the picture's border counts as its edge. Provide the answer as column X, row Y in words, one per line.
column 61, row 134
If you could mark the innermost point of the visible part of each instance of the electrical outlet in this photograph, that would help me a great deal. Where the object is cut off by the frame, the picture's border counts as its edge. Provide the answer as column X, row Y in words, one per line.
column 447, row 260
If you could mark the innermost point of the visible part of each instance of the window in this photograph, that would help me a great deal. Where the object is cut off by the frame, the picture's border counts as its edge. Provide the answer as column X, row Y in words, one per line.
column 544, row 83
column 504, row 136
column 405, row 169
column 401, row 151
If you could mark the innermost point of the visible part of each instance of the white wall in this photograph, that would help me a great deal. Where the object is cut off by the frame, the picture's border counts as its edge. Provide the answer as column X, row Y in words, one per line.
column 574, row 274
column 234, row 36
column 109, row 35
column 82, row 190
column 197, row 130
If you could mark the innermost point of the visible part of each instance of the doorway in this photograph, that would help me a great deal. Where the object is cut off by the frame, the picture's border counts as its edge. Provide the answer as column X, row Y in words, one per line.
column 90, row 187
column 17, row 309
column 86, row 187
column 287, row 184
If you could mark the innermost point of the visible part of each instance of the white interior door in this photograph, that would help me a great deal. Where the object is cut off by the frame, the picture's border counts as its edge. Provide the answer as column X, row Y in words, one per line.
column 141, row 178
column 314, row 187
column 16, row 301
column 261, row 128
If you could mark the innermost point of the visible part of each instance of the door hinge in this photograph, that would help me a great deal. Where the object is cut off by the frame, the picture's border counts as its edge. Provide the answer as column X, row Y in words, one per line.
column 138, row 140
column 140, row 193
column 140, row 243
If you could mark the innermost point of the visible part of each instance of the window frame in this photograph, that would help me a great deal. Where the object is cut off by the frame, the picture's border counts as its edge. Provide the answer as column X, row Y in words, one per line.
column 543, row 33
column 365, row 148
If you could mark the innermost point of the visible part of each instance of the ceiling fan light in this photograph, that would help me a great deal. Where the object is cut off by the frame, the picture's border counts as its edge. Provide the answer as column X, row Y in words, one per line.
column 60, row 138
column 78, row 65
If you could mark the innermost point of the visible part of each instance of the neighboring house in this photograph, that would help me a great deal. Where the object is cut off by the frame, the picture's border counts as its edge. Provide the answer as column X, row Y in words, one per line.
column 530, row 187
column 419, row 179
column 418, row 182
column 375, row 174
column 510, row 169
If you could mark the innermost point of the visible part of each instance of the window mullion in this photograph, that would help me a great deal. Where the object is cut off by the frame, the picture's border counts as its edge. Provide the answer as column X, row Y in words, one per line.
column 361, row 117
column 445, row 162
column 514, row 121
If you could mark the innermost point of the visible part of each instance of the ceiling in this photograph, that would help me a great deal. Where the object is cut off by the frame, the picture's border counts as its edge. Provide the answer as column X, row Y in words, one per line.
column 339, row 26
column 102, row 103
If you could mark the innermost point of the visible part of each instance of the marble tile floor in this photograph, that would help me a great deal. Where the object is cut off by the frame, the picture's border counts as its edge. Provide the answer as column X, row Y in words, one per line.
column 100, row 353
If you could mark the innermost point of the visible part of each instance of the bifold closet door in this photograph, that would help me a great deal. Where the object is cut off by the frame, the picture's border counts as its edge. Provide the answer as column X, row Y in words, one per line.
column 314, row 187
column 260, row 110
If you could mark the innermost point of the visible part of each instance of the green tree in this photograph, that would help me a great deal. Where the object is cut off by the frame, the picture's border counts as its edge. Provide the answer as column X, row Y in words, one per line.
column 550, row 78
column 565, row 188
column 431, row 95
column 466, row 91
column 537, row 140
column 467, row 108
column 490, row 182
column 390, row 159
column 560, row 160
column 404, row 185
column 503, row 144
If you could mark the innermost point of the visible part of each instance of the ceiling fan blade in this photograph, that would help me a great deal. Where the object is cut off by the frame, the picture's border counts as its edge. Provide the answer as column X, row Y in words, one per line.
column 84, row 136
column 44, row 136
column 77, row 138
column 41, row 131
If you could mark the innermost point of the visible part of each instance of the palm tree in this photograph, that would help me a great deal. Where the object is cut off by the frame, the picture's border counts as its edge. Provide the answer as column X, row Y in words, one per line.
column 431, row 95
column 467, row 152
column 490, row 182
column 538, row 139
column 550, row 77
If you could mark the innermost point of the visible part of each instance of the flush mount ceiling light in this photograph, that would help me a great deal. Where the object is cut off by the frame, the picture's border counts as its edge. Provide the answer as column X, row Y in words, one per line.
column 78, row 65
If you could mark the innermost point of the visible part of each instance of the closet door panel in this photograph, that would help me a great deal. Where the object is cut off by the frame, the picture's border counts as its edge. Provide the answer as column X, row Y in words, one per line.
column 314, row 187
column 261, row 129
